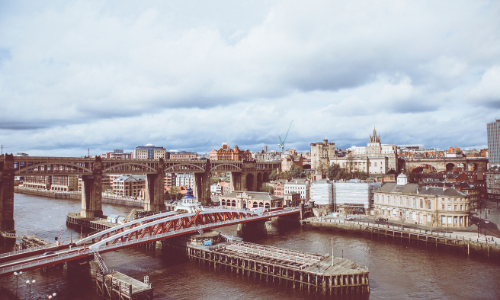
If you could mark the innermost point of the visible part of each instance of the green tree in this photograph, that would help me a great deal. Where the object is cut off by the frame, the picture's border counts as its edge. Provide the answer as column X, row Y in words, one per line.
column 296, row 172
column 267, row 188
column 175, row 192
column 273, row 175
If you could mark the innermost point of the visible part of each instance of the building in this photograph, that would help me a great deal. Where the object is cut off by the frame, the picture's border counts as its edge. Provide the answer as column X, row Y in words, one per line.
column 354, row 196
column 248, row 199
column 170, row 179
column 37, row 182
column 182, row 155
column 216, row 189
column 226, row 153
column 292, row 159
column 375, row 149
column 322, row 192
column 184, row 179
column 64, row 183
column 425, row 205
column 129, row 185
column 267, row 156
column 265, row 148
column 369, row 164
column 493, row 131
column 291, row 199
column 279, row 188
column 117, row 153
column 320, row 156
column 493, row 184
column 300, row 186
column 148, row 151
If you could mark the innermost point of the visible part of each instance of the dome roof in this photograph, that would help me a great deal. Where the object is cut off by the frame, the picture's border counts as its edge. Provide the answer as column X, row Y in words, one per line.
column 149, row 145
column 401, row 175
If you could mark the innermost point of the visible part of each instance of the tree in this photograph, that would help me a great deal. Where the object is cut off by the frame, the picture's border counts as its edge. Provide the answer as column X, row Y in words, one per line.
column 267, row 188
column 214, row 180
column 273, row 175
column 175, row 192
column 296, row 172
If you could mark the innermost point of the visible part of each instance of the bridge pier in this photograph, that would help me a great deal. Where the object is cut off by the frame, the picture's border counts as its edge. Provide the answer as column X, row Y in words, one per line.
column 155, row 189
column 92, row 192
column 7, row 193
column 202, row 187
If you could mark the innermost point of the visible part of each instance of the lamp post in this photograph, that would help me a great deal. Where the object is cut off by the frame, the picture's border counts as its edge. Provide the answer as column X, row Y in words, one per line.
column 17, row 276
column 30, row 283
column 51, row 296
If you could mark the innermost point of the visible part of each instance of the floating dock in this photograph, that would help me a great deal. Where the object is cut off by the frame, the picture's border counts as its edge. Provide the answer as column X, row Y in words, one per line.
column 299, row 270
column 122, row 287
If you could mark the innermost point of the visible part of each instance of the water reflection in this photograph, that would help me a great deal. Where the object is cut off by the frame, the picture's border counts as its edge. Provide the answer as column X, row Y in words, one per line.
column 398, row 270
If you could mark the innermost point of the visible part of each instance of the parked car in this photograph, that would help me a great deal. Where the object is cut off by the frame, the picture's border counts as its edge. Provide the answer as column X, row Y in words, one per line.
column 381, row 219
column 349, row 218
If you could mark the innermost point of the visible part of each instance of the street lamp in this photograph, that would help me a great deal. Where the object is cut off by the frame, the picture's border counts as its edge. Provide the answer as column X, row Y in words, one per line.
column 30, row 283
column 17, row 276
column 52, row 296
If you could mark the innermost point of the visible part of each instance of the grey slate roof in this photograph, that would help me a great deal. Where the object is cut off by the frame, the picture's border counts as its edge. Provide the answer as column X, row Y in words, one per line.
column 414, row 188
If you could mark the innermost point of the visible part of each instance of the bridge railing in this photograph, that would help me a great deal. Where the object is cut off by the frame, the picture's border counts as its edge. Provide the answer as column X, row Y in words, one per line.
column 12, row 253
column 41, row 262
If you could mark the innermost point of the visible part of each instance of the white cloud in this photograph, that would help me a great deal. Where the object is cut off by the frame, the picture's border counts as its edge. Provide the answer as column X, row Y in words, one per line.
column 193, row 74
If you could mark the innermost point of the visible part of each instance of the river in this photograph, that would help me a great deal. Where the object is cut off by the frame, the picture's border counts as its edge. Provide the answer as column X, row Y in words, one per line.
column 398, row 270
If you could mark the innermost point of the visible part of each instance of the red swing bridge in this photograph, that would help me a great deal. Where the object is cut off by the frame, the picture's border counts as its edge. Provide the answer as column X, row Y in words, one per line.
column 140, row 231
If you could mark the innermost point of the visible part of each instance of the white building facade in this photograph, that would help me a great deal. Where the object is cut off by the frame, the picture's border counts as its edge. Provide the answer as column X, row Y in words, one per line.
column 302, row 187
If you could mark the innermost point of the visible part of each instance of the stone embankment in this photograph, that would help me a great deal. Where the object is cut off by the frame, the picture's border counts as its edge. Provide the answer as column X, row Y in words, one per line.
column 467, row 242
column 106, row 198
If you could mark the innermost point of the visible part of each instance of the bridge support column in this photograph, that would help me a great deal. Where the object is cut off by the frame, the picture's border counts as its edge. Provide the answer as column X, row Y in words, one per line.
column 235, row 181
column 202, row 188
column 7, row 193
column 92, row 192
column 155, row 189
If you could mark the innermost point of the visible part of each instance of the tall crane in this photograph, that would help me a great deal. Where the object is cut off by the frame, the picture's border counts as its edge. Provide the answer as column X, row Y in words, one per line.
column 282, row 142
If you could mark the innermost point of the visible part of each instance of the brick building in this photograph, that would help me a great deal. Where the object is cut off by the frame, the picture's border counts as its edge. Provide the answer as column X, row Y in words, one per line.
column 226, row 153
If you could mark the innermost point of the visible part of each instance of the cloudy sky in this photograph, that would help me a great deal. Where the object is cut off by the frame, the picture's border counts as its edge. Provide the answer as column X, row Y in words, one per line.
column 189, row 75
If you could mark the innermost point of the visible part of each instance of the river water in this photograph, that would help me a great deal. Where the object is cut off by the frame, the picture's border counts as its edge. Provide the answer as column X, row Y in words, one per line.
column 398, row 270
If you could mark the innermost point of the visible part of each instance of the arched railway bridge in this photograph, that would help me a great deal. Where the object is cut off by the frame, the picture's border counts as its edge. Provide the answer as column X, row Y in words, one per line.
column 245, row 175
column 145, row 230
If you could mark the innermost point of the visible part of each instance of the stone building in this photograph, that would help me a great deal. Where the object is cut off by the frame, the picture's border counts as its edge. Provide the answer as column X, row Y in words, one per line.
column 320, row 156
column 425, row 205
column 368, row 164
column 248, row 199
column 375, row 149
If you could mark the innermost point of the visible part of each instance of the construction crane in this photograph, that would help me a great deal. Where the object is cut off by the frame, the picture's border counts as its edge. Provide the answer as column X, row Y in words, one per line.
column 282, row 142
column 130, row 217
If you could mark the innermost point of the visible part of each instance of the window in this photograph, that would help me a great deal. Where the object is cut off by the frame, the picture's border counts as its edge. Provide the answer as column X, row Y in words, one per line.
column 421, row 203
column 442, row 206
column 401, row 201
column 449, row 207
column 461, row 207
column 414, row 203
column 429, row 205
column 455, row 207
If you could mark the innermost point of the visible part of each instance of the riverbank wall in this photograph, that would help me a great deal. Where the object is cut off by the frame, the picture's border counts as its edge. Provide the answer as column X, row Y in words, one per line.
column 78, row 196
column 462, row 241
